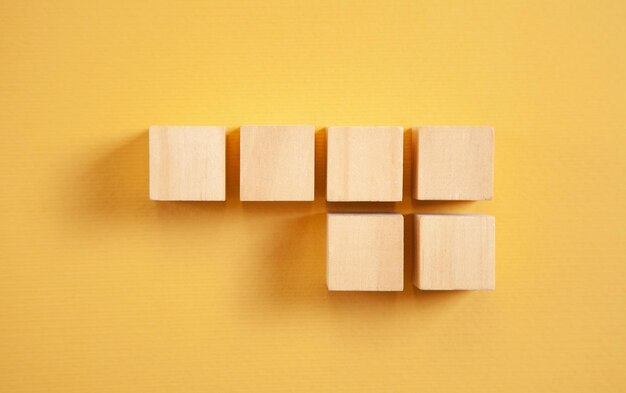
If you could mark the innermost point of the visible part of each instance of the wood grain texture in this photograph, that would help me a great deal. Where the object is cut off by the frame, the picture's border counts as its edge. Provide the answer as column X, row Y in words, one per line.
column 454, row 251
column 187, row 163
column 364, row 164
column 453, row 163
column 277, row 163
column 365, row 252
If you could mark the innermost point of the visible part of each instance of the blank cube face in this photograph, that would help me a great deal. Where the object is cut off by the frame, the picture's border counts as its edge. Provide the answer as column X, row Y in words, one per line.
column 453, row 163
column 454, row 251
column 277, row 163
column 365, row 252
column 187, row 163
column 364, row 164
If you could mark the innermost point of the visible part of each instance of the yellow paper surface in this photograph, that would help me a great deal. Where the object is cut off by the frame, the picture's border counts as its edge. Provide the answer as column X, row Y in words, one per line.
column 102, row 290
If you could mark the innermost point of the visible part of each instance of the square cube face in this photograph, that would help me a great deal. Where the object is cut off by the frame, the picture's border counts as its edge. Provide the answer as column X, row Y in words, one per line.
column 453, row 163
column 365, row 252
column 454, row 251
column 187, row 163
column 364, row 164
column 277, row 163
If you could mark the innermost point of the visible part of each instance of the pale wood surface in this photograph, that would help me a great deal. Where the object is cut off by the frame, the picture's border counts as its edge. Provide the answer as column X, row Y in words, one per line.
column 454, row 251
column 364, row 164
column 453, row 163
column 365, row 252
column 277, row 163
column 187, row 163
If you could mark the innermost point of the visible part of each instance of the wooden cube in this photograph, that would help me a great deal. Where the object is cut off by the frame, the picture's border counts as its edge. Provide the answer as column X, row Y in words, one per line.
column 454, row 251
column 365, row 252
column 364, row 164
column 453, row 163
column 277, row 163
column 187, row 163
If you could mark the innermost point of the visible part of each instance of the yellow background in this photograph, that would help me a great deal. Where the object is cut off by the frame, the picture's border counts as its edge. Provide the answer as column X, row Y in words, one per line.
column 102, row 290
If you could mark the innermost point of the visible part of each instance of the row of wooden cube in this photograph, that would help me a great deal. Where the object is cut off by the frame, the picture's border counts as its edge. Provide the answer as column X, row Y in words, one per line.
column 365, row 252
column 277, row 163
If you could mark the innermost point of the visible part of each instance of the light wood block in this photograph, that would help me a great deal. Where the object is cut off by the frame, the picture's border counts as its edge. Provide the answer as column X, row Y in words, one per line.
column 277, row 163
column 453, row 163
column 187, row 163
column 364, row 164
column 454, row 251
column 365, row 252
